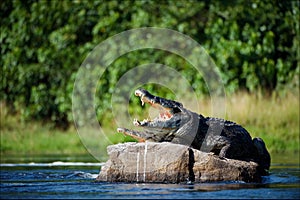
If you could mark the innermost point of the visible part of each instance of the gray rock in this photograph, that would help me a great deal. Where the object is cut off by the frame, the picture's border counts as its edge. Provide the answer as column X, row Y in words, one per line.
column 166, row 162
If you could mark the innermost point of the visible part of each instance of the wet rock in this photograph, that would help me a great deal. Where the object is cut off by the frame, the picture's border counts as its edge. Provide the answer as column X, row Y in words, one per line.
column 172, row 163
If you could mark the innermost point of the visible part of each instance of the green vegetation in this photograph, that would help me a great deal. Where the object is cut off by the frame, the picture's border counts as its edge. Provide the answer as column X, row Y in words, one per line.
column 255, row 45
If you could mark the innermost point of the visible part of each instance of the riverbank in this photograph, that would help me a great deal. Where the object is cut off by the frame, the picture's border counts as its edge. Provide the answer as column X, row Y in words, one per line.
column 274, row 118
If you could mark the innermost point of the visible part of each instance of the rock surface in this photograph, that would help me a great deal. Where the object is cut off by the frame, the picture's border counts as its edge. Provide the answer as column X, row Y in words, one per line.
column 165, row 162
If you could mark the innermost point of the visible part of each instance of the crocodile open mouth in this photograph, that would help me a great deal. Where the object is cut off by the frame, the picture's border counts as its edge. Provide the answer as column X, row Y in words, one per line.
column 164, row 112
column 167, row 121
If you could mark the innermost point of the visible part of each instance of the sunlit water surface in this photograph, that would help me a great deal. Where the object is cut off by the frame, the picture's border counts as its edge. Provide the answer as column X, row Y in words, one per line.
column 74, row 177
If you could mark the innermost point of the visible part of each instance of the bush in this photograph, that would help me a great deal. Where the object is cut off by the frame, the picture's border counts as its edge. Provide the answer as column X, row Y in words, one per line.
column 255, row 44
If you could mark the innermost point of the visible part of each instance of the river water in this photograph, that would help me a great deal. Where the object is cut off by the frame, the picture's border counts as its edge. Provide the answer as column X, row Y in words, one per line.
column 72, row 177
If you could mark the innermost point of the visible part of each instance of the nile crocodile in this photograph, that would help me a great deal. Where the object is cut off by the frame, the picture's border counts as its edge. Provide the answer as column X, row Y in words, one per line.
column 179, row 125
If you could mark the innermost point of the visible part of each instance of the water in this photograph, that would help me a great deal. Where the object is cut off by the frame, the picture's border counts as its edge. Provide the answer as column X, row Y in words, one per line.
column 70, row 178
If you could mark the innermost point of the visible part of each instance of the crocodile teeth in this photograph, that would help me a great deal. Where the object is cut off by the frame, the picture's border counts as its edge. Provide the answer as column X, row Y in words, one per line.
column 142, row 100
column 136, row 122
column 145, row 120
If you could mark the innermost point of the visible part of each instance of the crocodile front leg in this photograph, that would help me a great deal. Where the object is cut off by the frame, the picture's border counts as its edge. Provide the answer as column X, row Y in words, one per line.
column 224, row 151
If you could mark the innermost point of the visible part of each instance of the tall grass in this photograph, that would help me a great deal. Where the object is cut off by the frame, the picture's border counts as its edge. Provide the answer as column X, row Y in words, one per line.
column 274, row 118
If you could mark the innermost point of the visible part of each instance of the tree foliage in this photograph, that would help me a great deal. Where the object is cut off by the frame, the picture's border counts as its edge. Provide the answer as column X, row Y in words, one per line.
column 255, row 44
